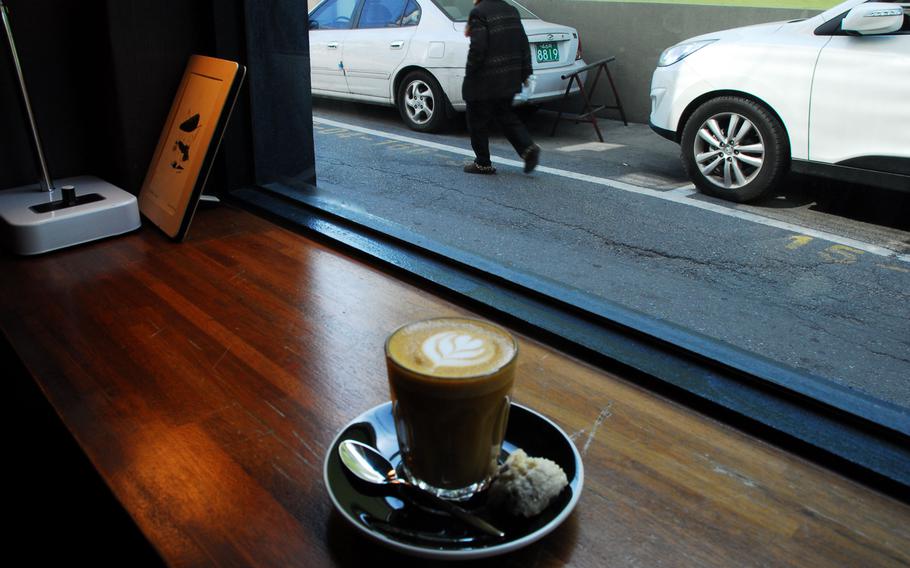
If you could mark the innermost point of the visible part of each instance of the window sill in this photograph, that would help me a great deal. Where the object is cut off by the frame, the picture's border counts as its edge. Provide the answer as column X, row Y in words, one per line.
column 851, row 433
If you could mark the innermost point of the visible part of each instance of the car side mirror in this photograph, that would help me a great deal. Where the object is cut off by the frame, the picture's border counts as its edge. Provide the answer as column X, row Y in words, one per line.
column 874, row 18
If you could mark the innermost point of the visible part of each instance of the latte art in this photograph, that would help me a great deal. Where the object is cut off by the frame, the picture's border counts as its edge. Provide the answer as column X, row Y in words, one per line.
column 454, row 349
column 451, row 347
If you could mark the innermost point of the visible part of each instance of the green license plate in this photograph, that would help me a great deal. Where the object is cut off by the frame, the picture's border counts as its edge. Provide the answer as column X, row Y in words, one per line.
column 547, row 52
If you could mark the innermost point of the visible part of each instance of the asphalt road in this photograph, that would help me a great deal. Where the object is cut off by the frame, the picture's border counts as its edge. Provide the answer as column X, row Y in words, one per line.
column 817, row 278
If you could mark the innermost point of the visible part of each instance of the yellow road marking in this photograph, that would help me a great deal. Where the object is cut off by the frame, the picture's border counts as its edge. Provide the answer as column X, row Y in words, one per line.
column 841, row 254
column 402, row 147
column 891, row 267
column 797, row 241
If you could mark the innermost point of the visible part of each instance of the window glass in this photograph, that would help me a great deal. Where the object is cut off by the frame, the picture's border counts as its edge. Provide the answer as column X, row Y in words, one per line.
column 411, row 16
column 458, row 10
column 381, row 14
column 806, row 287
column 333, row 15
column 812, row 277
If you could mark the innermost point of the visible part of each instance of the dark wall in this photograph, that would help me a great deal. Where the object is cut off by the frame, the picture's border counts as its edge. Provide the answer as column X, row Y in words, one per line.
column 102, row 75
column 277, row 35
column 52, row 50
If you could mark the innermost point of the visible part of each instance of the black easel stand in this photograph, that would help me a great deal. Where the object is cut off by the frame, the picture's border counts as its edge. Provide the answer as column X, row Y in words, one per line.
column 590, row 113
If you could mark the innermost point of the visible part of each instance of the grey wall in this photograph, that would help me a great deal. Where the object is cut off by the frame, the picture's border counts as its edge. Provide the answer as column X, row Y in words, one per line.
column 637, row 33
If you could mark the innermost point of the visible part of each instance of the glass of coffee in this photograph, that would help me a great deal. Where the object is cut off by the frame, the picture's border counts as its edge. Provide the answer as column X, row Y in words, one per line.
column 451, row 383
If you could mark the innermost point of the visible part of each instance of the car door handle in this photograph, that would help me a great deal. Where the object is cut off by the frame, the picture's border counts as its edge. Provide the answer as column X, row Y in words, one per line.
column 397, row 44
column 332, row 45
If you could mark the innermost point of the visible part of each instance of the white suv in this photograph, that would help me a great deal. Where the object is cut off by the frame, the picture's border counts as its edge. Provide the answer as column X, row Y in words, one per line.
column 828, row 96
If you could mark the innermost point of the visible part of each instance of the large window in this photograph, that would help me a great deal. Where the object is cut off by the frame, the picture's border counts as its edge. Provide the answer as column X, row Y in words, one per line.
column 792, row 310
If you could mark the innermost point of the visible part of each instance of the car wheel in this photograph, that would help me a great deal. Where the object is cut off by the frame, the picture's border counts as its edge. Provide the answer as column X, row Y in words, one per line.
column 421, row 102
column 735, row 149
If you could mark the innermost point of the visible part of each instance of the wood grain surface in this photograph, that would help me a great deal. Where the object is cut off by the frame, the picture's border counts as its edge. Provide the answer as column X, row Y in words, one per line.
column 204, row 381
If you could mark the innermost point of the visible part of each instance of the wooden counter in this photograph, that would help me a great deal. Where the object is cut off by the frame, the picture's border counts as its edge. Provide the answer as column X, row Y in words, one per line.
column 204, row 381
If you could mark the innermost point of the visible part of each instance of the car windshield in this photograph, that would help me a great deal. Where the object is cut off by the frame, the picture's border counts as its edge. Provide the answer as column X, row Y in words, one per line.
column 458, row 10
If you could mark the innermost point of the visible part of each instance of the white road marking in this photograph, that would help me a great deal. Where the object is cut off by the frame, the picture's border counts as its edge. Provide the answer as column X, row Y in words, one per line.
column 684, row 191
column 591, row 146
column 645, row 179
column 675, row 196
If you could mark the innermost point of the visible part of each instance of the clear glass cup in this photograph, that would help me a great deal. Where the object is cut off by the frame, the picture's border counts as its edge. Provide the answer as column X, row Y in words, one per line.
column 451, row 383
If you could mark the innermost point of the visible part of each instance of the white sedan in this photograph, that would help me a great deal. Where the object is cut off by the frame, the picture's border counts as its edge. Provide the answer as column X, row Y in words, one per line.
column 828, row 96
column 412, row 54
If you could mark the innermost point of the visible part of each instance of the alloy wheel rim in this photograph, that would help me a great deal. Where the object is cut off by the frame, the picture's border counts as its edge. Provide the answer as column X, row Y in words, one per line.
column 419, row 102
column 729, row 150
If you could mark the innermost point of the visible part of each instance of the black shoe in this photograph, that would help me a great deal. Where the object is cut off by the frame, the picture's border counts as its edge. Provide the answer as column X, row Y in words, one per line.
column 475, row 168
column 531, row 158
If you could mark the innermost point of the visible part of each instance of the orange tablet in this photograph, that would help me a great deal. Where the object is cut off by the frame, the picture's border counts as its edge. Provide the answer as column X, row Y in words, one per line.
column 189, row 142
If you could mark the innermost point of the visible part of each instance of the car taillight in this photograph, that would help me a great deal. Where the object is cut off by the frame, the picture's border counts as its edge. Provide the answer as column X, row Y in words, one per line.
column 578, row 53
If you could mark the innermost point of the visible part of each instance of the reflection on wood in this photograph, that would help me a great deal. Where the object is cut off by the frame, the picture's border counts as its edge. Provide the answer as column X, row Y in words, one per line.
column 205, row 380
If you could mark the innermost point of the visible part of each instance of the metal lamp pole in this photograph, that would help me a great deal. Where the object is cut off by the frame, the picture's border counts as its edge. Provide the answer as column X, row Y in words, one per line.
column 47, row 183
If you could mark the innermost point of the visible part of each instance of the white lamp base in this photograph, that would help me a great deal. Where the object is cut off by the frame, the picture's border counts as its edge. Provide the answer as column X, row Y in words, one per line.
column 26, row 231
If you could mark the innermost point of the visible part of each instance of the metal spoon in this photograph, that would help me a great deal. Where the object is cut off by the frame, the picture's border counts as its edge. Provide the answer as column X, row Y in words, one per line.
column 369, row 465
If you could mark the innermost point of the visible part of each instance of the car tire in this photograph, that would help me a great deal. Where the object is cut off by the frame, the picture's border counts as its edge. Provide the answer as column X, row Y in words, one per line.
column 734, row 148
column 422, row 103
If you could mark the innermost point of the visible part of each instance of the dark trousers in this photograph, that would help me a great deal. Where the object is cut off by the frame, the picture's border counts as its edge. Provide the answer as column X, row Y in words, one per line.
column 483, row 113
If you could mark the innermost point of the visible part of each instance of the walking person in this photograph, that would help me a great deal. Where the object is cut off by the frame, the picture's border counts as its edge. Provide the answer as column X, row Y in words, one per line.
column 499, row 62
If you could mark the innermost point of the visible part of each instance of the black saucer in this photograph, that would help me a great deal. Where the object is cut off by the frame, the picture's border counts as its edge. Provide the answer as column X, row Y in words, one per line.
column 381, row 515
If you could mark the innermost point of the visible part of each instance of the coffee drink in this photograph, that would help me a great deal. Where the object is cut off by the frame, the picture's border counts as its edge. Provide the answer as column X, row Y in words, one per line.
column 451, row 382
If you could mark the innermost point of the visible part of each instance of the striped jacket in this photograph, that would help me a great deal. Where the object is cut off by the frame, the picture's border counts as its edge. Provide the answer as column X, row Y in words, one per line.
column 499, row 59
